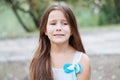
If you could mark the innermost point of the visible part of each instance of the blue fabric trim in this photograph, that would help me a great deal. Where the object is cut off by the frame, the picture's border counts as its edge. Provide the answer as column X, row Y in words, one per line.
column 73, row 68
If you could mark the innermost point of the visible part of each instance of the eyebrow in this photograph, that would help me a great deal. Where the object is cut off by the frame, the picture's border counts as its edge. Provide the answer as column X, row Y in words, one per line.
column 55, row 20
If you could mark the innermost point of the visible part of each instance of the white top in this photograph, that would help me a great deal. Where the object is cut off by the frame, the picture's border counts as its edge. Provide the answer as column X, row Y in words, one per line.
column 59, row 74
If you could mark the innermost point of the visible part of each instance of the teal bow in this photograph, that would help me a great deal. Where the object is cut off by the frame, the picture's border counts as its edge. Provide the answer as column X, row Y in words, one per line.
column 73, row 68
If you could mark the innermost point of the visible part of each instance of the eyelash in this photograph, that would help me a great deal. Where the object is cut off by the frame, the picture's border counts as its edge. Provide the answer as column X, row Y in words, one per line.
column 52, row 23
column 55, row 23
column 65, row 23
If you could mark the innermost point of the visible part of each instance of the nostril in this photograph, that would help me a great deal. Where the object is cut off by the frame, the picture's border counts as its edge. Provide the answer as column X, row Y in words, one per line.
column 58, row 30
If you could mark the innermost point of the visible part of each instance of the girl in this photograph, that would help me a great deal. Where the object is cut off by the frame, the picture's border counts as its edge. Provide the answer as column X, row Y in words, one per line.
column 60, row 54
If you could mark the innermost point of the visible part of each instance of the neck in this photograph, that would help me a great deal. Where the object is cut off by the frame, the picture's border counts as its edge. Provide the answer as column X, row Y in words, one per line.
column 60, row 48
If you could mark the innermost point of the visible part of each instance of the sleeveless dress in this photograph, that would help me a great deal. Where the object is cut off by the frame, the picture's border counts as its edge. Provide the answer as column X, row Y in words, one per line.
column 69, row 71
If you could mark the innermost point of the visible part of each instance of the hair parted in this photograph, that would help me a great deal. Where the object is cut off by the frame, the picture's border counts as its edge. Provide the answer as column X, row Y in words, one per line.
column 40, row 67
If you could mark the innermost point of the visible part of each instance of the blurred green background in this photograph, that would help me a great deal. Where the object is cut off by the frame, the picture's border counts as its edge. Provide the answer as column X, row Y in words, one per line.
column 21, row 17
column 98, row 21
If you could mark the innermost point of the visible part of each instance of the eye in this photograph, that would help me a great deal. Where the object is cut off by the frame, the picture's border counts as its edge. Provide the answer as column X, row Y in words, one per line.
column 52, row 23
column 65, row 23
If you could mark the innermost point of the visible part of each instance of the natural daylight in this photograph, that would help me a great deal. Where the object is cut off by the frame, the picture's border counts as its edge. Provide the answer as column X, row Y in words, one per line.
column 29, row 37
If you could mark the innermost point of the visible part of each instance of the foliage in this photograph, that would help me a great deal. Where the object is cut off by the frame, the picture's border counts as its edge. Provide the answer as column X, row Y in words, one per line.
column 109, row 11
column 21, row 16
column 32, row 8
column 86, row 17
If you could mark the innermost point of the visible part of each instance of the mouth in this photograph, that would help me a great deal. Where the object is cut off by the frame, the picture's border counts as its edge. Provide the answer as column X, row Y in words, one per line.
column 58, row 35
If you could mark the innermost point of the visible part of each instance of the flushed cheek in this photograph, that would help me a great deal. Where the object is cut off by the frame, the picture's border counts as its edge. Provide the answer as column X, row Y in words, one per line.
column 49, row 32
column 68, row 31
column 49, row 29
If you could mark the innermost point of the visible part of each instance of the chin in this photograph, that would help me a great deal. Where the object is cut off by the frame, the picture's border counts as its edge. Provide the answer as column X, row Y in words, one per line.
column 59, row 41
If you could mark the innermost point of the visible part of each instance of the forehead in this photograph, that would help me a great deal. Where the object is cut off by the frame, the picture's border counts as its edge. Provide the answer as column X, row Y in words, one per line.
column 56, row 14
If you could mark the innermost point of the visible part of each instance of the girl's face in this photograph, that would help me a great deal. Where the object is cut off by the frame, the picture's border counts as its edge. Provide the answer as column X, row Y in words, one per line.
column 58, row 29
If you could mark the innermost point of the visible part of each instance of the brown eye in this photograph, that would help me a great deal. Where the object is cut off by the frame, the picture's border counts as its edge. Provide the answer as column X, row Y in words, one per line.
column 52, row 23
column 65, row 23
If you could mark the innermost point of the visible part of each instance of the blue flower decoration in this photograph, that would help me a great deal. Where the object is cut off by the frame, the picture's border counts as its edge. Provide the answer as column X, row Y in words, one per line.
column 73, row 68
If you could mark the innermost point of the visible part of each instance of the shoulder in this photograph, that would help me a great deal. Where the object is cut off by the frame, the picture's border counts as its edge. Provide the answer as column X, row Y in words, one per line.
column 85, row 58
column 85, row 62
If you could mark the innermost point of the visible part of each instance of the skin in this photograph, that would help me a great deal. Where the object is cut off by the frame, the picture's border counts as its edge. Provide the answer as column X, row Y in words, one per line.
column 58, row 28
column 85, row 62
column 58, row 31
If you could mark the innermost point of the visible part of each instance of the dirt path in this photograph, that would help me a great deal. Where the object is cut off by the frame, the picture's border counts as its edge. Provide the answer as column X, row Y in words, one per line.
column 96, row 42
column 103, row 47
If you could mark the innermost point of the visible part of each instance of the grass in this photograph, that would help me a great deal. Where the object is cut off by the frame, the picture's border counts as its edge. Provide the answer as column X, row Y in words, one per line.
column 99, row 27
column 10, row 26
column 88, row 28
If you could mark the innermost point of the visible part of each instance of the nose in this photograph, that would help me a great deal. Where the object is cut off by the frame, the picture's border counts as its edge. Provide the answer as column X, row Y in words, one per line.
column 59, row 27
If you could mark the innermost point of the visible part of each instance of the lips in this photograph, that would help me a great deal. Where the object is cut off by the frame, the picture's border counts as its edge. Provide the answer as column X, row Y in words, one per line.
column 58, row 34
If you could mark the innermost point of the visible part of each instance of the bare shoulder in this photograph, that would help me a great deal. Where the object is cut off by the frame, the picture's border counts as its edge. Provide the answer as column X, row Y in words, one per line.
column 85, row 62
column 85, row 59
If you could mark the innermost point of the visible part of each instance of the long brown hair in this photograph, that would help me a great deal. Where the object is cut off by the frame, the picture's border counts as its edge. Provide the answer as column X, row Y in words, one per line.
column 40, row 67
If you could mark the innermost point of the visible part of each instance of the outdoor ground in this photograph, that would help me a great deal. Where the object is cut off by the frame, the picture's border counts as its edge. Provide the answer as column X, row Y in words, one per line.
column 102, row 45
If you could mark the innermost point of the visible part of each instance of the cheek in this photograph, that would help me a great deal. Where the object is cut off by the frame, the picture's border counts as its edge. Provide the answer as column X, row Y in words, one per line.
column 69, row 30
column 49, row 30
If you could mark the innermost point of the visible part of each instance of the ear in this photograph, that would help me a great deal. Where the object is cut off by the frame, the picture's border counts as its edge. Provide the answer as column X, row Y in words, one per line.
column 71, row 33
column 45, row 32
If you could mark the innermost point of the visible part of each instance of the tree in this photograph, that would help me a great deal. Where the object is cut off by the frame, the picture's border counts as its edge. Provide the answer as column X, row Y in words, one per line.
column 110, row 11
column 15, row 6
column 35, row 10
